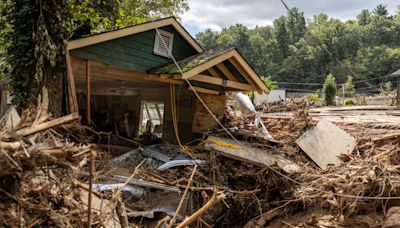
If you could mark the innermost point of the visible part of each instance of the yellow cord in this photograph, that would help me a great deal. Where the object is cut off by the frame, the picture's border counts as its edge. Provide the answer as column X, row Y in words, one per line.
column 175, row 115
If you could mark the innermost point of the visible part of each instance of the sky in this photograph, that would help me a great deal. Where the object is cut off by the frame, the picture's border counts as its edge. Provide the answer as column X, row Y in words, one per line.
column 217, row 14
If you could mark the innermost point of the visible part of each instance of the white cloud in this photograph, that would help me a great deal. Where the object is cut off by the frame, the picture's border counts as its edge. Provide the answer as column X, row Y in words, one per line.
column 216, row 14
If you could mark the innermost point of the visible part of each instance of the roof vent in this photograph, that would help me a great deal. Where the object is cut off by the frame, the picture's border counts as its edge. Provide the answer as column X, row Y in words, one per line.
column 159, row 45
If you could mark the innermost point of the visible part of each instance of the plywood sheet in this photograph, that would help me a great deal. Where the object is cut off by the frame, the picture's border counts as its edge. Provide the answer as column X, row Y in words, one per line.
column 245, row 152
column 325, row 142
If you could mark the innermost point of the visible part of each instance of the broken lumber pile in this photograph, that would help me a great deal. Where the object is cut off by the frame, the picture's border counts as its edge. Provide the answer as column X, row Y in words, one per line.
column 40, row 176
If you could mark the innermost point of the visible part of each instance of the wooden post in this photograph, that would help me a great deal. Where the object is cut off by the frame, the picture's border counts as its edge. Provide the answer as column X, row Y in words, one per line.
column 72, row 100
column 88, row 117
column 398, row 93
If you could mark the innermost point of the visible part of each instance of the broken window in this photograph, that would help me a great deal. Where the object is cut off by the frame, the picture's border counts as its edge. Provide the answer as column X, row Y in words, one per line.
column 152, row 118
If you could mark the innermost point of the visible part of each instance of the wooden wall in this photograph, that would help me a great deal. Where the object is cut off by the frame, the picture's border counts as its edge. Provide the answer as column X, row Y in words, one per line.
column 135, row 52
column 202, row 120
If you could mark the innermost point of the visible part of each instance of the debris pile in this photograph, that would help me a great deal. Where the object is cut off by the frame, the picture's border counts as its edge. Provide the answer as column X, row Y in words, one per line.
column 40, row 174
column 306, row 173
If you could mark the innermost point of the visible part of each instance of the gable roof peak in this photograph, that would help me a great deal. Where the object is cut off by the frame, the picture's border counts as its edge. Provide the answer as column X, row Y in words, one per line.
column 115, row 34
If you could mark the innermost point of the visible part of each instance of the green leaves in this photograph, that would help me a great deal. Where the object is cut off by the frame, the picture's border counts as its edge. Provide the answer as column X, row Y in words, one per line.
column 365, row 47
column 329, row 90
column 32, row 45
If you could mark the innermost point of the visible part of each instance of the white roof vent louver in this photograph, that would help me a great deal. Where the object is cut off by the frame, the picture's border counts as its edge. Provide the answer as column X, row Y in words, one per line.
column 159, row 45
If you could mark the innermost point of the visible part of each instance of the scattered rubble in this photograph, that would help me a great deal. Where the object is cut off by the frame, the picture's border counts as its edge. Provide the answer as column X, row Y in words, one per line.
column 50, row 179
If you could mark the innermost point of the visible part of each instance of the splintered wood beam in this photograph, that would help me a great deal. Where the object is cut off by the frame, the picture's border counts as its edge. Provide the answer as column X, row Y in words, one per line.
column 88, row 117
column 226, row 72
column 221, row 82
column 204, row 90
column 72, row 99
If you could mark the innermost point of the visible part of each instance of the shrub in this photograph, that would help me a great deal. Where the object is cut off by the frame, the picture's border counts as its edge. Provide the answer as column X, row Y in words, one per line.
column 313, row 97
column 329, row 89
column 349, row 102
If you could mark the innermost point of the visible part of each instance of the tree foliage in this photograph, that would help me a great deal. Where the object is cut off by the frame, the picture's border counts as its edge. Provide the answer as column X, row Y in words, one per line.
column 32, row 45
column 349, row 86
column 366, row 47
column 329, row 89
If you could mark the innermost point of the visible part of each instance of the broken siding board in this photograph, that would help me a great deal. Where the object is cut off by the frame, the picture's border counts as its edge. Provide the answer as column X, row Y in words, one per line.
column 245, row 152
column 202, row 120
column 325, row 142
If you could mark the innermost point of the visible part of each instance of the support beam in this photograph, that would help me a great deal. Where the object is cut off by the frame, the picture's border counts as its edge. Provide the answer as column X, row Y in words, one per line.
column 214, row 73
column 203, row 90
column 72, row 99
column 221, row 82
column 226, row 72
column 241, row 71
column 88, row 116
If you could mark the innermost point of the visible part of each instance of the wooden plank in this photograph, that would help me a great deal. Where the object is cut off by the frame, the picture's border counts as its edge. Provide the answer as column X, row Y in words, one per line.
column 214, row 73
column 88, row 116
column 226, row 72
column 205, row 66
column 204, row 90
column 87, row 41
column 325, row 142
column 219, row 81
column 47, row 125
column 72, row 99
column 245, row 152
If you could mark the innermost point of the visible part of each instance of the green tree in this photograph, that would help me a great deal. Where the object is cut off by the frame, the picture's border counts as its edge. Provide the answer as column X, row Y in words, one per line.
column 329, row 89
column 364, row 17
column 282, row 37
column 269, row 83
column 35, row 43
column 388, row 86
column 349, row 86
column 381, row 10
column 295, row 25
column 208, row 39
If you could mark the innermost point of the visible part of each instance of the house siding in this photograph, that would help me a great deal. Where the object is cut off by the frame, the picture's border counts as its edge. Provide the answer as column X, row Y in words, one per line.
column 135, row 52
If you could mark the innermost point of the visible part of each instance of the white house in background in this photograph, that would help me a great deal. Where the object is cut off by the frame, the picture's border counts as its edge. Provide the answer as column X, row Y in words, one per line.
column 273, row 96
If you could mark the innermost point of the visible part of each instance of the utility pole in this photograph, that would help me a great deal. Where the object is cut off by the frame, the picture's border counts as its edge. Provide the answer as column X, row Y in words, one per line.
column 343, row 94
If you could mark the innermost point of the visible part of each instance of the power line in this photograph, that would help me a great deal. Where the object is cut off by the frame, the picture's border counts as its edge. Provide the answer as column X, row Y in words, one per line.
column 299, row 83
column 321, row 43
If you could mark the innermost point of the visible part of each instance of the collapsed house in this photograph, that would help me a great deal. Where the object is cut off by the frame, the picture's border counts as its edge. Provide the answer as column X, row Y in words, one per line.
column 122, row 81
